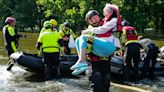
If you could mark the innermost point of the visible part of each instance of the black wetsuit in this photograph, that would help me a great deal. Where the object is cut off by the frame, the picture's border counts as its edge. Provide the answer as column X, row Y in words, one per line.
column 101, row 75
column 132, row 53
column 152, row 52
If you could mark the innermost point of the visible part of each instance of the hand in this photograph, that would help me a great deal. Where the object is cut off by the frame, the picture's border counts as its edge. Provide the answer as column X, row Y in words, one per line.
column 66, row 39
column 24, row 36
column 85, row 31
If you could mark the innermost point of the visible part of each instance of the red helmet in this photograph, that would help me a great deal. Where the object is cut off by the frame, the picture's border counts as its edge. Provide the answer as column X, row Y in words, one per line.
column 9, row 20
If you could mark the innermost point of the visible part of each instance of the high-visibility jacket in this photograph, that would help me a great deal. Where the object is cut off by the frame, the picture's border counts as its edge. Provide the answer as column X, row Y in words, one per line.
column 43, row 30
column 10, row 37
column 49, row 40
column 67, row 33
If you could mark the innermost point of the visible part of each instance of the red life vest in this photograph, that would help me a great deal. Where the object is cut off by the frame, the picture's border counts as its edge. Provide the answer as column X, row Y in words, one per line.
column 130, row 33
column 119, row 24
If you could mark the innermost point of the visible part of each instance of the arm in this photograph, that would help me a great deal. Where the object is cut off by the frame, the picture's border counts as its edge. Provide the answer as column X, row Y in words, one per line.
column 61, row 33
column 39, row 42
column 106, row 27
column 38, row 45
column 73, row 34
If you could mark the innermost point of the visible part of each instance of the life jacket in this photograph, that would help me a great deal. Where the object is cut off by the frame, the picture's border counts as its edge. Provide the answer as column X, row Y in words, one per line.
column 130, row 33
column 119, row 22
column 66, row 34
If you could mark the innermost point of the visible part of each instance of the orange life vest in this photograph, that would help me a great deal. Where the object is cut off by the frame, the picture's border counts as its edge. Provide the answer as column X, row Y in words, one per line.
column 119, row 24
column 130, row 33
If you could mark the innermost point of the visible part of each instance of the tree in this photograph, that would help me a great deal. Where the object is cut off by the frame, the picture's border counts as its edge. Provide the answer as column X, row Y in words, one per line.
column 25, row 11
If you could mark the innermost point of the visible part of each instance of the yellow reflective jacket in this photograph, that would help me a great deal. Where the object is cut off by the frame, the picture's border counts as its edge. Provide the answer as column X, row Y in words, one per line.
column 10, row 37
column 49, row 40
column 64, row 32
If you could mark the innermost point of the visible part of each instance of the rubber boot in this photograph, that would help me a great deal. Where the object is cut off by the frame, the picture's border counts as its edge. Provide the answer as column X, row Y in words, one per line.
column 97, row 82
column 55, row 72
column 47, row 72
column 10, row 65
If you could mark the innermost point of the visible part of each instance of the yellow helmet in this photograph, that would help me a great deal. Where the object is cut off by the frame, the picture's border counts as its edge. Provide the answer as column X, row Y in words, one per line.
column 53, row 22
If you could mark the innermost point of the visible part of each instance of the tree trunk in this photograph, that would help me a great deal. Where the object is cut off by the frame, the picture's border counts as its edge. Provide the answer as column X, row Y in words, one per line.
column 142, row 29
column 40, row 24
column 162, row 23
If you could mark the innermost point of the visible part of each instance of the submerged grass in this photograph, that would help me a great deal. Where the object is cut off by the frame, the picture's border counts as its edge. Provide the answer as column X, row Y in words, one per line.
column 28, row 44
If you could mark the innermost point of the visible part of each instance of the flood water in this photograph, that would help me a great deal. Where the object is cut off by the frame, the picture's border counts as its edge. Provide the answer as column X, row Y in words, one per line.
column 19, row 80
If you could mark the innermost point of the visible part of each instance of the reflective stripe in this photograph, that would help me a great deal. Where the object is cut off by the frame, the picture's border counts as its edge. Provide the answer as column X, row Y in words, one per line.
column 50, row 49
column 104, row 58
column 63, row 32
column 13, row 46
column 131, row 41
column 11, row 30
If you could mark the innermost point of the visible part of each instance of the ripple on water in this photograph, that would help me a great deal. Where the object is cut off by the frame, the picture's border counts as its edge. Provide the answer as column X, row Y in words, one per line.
column 14, row 81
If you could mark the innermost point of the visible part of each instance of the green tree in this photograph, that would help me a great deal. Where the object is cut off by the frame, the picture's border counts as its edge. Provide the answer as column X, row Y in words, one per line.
column 25, row 11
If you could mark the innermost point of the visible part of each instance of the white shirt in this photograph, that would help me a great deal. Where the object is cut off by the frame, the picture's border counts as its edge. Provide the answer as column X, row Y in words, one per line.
column 110, row 25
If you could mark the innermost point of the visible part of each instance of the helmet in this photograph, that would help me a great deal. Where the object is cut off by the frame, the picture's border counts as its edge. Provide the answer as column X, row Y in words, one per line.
column 66, row 24
column 90, row 14
column 125, row 23
column 53, row 22
column 47, row 24
column 9, row 20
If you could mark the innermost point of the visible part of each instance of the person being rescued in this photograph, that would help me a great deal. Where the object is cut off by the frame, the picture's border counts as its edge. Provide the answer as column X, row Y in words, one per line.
column 49, row 41
column 65, row 33
column 103, row 43
column 132, row 47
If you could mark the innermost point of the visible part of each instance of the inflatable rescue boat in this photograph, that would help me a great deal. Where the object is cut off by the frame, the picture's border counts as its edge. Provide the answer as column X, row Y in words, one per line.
column 33, row 63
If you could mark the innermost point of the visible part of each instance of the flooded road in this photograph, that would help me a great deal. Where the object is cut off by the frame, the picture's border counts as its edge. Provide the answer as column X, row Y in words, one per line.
column 19, row 80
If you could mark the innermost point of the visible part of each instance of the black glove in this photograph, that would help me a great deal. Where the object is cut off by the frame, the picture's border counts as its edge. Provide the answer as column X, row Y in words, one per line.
column 38, row 45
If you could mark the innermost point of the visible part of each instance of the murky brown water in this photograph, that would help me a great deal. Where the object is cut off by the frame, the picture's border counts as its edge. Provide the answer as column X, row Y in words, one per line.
column 18, row 79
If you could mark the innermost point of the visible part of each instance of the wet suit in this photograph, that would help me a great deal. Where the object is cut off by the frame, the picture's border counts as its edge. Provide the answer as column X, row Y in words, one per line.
column 100, row 76
column 10, row 41
column 132, row 52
